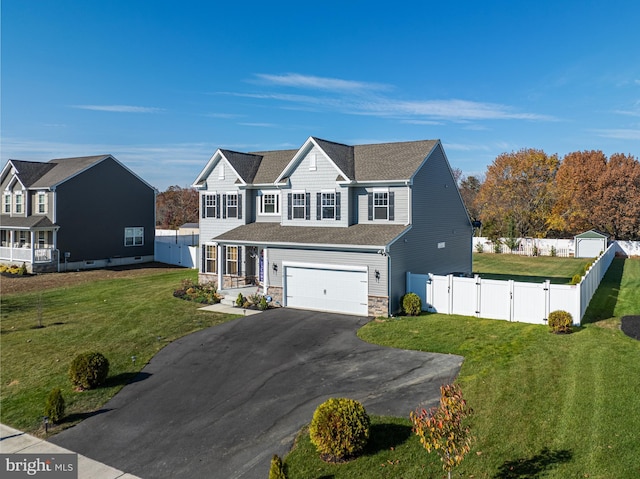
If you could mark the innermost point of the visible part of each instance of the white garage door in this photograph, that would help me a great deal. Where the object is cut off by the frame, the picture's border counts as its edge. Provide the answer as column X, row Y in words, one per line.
column 325, row 288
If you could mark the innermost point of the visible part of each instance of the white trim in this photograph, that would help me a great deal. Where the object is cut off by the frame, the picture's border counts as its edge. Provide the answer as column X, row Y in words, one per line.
column 303, row 150
column 278, row 202
column 335, row 267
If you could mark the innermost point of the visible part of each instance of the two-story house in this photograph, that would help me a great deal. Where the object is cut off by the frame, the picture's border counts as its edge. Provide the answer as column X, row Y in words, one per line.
column 75, row 213
column 332, row 227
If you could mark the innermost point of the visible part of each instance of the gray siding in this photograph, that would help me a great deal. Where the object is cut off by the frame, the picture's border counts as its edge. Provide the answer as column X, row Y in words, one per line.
column 256, row 205
column 315, row 181
column 438, row 218
column 372, row 260
column 94, row 208
column 400, row 204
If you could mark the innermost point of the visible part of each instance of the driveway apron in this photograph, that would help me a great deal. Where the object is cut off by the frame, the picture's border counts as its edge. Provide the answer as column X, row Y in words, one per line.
column 220, row 402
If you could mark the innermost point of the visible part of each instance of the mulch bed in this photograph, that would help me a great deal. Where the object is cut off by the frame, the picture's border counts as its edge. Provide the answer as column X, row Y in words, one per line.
column 631, row 326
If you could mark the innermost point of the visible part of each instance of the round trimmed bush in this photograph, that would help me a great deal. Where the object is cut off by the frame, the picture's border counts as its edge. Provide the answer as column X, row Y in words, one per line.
column 54, row 407
column 88, row 370
column 560, row 321
column 411, row 304
column 339, row 429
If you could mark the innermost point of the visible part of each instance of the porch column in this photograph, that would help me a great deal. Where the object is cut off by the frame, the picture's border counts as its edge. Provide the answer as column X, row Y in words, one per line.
column 219, row 251
column 265, row 269
column 32, row 234
column 12, row 239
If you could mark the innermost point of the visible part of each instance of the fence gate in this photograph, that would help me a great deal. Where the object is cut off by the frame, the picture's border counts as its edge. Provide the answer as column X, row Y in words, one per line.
column 438, row 294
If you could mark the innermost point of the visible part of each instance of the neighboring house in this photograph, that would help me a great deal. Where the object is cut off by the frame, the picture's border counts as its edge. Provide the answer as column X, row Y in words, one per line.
column 75, row 213
column 332, row 227
column 590, row 244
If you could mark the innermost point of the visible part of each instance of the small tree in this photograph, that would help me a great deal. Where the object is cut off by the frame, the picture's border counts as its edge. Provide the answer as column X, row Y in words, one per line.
column 54, row 407
column 441, row 427
column 276, row 471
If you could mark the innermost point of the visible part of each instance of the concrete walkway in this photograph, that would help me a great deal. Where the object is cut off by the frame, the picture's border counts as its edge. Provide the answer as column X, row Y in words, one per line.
column 13, row 441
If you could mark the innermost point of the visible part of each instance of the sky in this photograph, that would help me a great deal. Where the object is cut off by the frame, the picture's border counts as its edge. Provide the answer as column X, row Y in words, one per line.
column 161, row 85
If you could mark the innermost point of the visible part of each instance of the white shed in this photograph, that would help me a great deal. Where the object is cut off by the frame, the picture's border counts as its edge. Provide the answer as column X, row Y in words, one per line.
column 590, row 244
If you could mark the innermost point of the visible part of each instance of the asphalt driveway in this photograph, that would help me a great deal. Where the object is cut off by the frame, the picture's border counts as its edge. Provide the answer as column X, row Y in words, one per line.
column 219, row 403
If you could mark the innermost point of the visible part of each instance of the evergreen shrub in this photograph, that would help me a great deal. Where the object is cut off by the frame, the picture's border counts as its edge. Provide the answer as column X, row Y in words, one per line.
column 54, row 407
column 560, row 321
column 411, row 304
column 88, row 370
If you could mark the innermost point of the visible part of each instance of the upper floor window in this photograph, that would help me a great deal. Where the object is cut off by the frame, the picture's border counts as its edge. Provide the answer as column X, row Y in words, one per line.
column 299, row 205
column 19, row 204
column 209, row 205
column 42, row 202
column 270, row 204
column 231, row 206
column 381, row 205
column 7, row 203
column 328, row 206
column 134, row 236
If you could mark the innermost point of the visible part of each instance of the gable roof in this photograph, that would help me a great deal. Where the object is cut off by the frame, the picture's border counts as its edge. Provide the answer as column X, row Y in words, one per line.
column 361, row 163
column 28, row 172
column 592, row 234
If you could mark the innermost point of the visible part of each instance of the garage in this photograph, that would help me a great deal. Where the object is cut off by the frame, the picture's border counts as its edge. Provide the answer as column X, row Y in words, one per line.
column 333, row 288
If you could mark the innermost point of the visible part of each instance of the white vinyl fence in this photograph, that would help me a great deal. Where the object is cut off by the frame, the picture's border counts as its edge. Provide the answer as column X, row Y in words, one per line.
column 177, row 249
column 508, row 300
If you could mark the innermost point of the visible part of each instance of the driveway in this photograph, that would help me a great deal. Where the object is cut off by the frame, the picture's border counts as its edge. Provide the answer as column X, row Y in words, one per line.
column 222, row 401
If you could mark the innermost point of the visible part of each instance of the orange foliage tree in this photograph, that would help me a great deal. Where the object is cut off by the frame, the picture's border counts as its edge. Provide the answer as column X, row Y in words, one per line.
column 176, row 206
column 441, row 428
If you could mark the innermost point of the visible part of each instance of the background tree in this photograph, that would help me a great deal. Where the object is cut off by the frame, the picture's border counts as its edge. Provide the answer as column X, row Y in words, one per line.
column 176, row 206
column 618, row 210
column 518, row 190
column 469, row 187
column 577, row 191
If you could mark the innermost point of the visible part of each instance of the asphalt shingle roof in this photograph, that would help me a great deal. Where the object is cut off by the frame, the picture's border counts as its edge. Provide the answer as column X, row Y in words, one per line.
column 63, row 168
column 29, row 222
column 30, row 171
column 275, row 233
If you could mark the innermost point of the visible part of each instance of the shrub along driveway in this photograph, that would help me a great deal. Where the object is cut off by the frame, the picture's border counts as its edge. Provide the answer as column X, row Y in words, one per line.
column 222, row 401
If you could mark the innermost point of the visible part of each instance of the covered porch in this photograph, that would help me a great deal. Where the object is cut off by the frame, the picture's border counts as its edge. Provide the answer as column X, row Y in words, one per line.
column 34, row 245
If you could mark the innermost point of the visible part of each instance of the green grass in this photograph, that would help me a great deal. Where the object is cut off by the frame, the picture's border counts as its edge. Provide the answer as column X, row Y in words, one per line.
column 528, row 268
column 546, row 406
column 120, row 318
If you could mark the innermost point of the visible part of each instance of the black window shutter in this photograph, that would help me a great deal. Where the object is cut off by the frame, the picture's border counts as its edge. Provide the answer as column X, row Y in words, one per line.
column 204, row 206
column 239, row 206
column 391, row 207
column 307, row 206
column 370, row 203
column 337, row 205
column 318, row 206
column 224, row 206
column 217, row 206
column 204, row 259
column 289, row 205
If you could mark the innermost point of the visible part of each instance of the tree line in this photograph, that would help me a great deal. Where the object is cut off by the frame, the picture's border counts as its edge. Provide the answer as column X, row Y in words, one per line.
column 529, row 193
column 526, row 193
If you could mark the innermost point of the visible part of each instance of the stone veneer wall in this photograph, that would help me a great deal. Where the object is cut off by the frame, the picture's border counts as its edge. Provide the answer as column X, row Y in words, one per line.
column 379, row 306
column 276, row 293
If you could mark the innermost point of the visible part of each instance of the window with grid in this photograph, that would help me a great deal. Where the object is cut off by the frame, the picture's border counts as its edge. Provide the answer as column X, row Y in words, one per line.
column 209, row 206
column 18, row 203
column 299, row 205
column 42, row 239
column 270, row 203
column 7, row 203
column 232, row 206
column 134, row 236
column 42, row 203
column 381, row 205
column 232, row 260
column 211, row 256
column 328, row 206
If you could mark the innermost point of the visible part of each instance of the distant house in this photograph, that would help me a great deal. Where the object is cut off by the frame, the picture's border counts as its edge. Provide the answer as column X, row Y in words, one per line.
column 332, row 227
column 75, row 213
column 590, row 244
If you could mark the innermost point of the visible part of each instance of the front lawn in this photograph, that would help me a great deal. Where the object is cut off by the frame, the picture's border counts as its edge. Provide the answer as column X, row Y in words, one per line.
column 552, row 406
column 127, row 320
column 533, row 269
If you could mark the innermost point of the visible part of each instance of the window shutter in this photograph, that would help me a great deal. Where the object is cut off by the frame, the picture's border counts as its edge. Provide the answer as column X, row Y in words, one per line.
column 307, row 206
column 391, row 207
column 337, row 205
column 203, row 269
column 217, row 206
column 318, row 206
column 204, row 206
column 239, row 206
column 224, row 206
column 370, row 203
column 289, row 206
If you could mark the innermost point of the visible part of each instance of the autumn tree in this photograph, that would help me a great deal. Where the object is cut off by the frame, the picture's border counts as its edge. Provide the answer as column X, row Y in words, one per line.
column 469, row 187
column 441, row 428
column 518, row 191
column 618, row 210
column 577, row 191
column 176, row 206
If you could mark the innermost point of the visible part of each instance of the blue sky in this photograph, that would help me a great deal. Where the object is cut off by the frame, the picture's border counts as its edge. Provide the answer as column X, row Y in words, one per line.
column 162, row 84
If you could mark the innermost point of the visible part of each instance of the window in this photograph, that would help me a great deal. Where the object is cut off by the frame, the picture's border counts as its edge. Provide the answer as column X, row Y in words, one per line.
column 7, row 203
column 209, row 204
column 42, row 239
column 232, row 260
column 210, row 258
column 299, row 205
column 328, row 206
column 134, row 236
column 19, row 203
column 22, row 238
column 270, row 204
column 42, row 202
column 232, row 206
column 380, row 205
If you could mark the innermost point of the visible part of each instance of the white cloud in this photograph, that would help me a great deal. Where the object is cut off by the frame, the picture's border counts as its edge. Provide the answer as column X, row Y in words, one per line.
column 119, row 108
column 620, row 134
column 259, row 125
column 297, row 80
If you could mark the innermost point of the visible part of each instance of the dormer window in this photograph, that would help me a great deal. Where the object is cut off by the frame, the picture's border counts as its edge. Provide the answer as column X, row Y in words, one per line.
column 19, row 204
